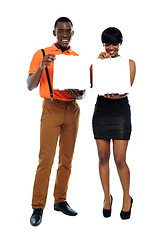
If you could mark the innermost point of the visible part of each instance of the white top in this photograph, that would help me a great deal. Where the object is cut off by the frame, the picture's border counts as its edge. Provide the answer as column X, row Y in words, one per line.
column 71, row 72
column 111, row 75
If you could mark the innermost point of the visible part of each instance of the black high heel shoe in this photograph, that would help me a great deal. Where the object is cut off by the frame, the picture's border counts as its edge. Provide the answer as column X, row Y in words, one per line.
column 126, row 215
column 107, row 212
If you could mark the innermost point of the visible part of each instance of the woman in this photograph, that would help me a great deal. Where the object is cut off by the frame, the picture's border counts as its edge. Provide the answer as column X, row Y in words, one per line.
column 112, row 120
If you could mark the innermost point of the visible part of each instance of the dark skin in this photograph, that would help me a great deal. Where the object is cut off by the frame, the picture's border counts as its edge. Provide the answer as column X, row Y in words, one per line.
column 119, row 146
column 63, row 33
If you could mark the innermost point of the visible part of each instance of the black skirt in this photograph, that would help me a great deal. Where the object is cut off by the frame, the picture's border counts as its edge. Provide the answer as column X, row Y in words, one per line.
column 112, row 119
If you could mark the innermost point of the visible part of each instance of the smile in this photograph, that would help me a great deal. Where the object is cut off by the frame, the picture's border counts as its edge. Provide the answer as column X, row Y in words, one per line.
column 112, row 52
column 65, row 41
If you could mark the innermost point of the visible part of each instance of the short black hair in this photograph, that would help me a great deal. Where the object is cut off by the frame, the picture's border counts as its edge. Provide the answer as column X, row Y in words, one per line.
column 62, row 19
column 112, row 35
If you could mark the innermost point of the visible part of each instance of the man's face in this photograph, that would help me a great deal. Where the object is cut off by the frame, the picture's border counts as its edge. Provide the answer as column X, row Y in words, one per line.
column 63, row 33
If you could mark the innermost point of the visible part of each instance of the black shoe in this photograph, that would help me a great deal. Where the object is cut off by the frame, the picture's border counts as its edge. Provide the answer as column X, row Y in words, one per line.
column 126, row 215
column 65, row 208
column 36, row 217
column 107, row 213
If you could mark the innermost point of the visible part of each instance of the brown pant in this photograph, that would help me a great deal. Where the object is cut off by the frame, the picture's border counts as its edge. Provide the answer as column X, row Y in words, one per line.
column 59, row 119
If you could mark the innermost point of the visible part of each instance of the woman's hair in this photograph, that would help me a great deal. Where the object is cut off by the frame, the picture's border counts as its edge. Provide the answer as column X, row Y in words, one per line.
column 112, row 35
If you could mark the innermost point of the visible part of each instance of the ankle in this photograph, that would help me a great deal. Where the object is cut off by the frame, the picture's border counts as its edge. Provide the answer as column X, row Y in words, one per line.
column 126, row 198
column 107, row 202
column 107, row 197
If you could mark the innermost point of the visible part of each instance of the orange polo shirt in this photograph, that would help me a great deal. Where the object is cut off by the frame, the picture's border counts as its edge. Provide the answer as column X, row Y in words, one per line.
column 44, row 87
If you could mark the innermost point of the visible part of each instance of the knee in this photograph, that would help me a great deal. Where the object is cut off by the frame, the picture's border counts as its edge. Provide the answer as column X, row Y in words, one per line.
column 120, row 161
column 103, row 157
column 65, row 165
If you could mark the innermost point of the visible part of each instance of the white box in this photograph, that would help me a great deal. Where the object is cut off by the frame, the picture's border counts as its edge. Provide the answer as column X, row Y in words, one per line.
column 71, row 72
column 111, row 75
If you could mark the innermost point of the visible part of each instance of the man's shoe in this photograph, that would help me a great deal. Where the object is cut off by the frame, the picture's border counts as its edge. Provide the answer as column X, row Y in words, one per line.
column 36, row 217
column 65, row 208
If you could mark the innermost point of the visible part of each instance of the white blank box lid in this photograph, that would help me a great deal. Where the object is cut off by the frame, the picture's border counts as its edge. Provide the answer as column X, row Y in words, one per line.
column 71, row 72
column 111, row 75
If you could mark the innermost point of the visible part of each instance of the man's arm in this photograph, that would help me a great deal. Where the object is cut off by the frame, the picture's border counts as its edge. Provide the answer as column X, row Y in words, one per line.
column 34, row 79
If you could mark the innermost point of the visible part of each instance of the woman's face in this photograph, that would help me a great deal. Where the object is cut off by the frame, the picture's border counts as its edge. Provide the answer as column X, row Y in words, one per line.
column 111, row 49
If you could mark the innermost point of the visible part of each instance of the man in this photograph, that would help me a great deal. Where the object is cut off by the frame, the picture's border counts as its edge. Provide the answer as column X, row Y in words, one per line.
column 60, row 118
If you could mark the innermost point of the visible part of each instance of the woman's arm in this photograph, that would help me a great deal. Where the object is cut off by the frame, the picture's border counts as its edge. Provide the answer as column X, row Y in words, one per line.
column 132, row 67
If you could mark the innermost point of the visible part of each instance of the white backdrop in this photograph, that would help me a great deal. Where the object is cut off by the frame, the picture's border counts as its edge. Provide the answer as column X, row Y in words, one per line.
column 26, row 27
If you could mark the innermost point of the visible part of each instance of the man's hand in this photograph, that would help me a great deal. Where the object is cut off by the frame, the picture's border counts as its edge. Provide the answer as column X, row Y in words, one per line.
column 75, row 93
column 47, row 60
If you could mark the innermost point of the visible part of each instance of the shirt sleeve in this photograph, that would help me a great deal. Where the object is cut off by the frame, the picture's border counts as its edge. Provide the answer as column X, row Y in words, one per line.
column 36, row 61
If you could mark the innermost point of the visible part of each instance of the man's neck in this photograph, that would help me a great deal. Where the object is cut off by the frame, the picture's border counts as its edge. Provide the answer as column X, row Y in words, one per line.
column 61, row 48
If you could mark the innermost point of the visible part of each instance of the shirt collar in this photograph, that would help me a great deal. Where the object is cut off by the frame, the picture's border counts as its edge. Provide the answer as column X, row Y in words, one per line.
column 59, row 50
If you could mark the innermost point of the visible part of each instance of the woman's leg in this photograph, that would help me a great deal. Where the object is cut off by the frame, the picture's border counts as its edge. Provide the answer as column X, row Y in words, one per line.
column 103, row 147
column 119, row 149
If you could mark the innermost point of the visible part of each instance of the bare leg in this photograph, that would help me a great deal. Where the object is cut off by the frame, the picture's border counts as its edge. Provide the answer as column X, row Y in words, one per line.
column 103, row 147
column 119, row 149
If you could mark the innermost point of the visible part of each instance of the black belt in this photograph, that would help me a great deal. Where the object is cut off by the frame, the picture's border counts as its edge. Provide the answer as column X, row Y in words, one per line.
column 49, row 83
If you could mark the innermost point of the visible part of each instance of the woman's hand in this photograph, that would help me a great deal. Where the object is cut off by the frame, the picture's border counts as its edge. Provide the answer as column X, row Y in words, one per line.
column 104, row 55
column 115, row 95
